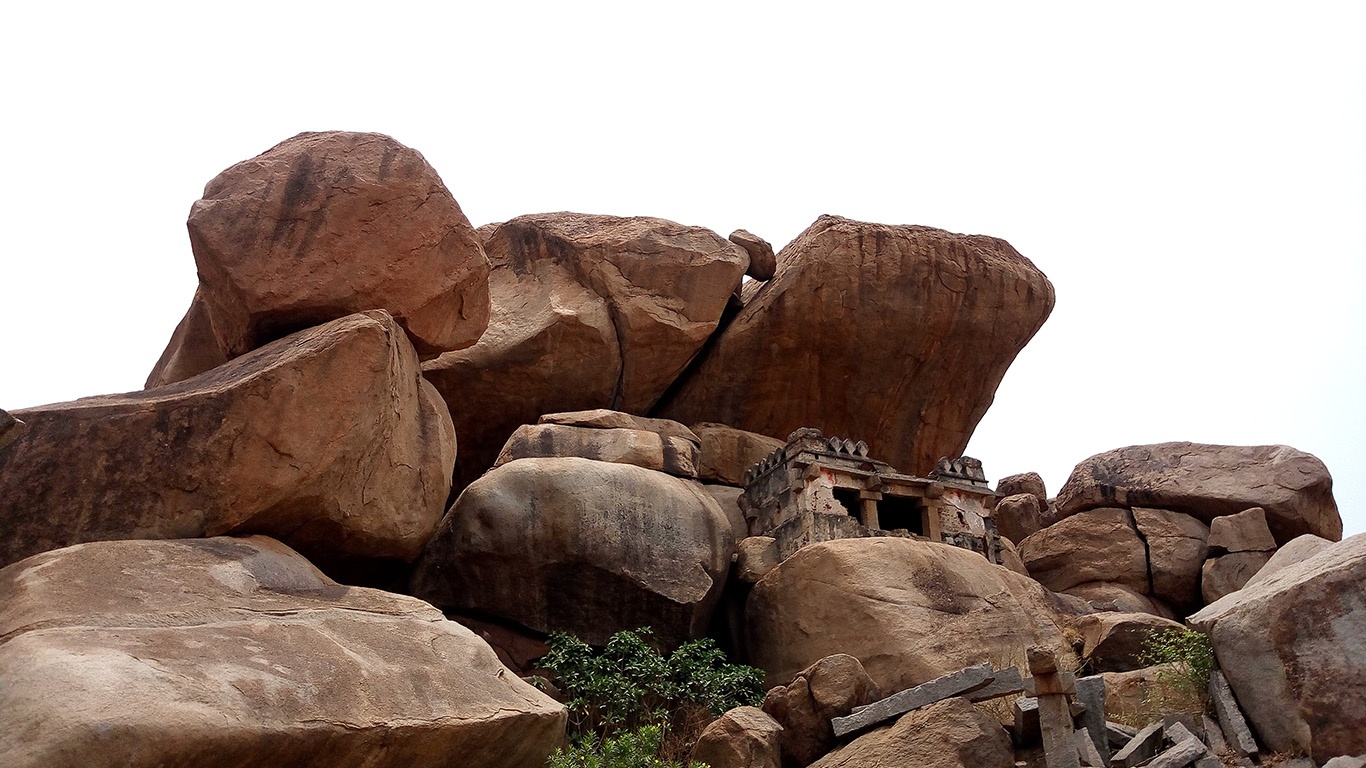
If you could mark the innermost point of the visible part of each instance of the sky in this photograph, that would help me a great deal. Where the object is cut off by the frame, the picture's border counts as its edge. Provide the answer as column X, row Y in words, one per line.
column 1191, row 176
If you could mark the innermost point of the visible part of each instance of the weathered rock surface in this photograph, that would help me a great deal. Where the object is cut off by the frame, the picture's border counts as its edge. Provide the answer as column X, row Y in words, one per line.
column 1105, row 595
column 1026, row 482
column 1010, row 558
column 1246, row 531
column 328, row 439
column 728, row 498
column 233, row 652
column 744, row 737
column 10, row 429
column 1096, row 545
column 1139, row 695
column 602, row 418
column 1113, row 642
column 909, row 611
column 1224, row 575
column 895, row 335
column 1207, row 481
column 581, row 546
column 321, row 226
column 1296, row 550
column 1292, row 648
column 1018, row 516
column 587, row 312
column 950, row 734
column 830, row 688
column 1176, row 552
column 728, row 453
column 650, row 450
column 755, row 556
column 763, row 264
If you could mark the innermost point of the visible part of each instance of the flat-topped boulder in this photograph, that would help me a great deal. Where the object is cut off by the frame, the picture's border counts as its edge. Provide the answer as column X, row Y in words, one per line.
column 1208, row 481
column 728, row 453
column 587, row 312
column 321, row 226
column 231, row 652
column 1096, row 545
column 651, row 450
column 894, row 335
column 328, row 439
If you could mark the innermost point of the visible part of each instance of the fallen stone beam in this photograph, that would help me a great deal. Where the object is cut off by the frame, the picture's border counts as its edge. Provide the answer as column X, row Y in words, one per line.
column 1181, row 755
column 1086, row 749
column 1026, row 730
column 1118, row 734
column 1142, row 746
column 954, row 684
column 1006, row 682
column 1230, row 716
column 1091, row 694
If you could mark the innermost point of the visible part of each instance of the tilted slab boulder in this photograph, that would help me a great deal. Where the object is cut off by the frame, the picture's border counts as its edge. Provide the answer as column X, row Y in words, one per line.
column 1292, row 647
column 651, row 450
column 728, row 453
column 1296, row 550
column 1096, row 545
column 908, row 610
column 237, row 652
column 581, row 546
column 895, row 335
column 328, row 439
column 950, row 734
column 1207, row 481
column 587, row 312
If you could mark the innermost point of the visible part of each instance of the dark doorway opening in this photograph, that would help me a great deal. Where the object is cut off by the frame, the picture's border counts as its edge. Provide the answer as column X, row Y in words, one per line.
column 901, row 513
column 849, row 498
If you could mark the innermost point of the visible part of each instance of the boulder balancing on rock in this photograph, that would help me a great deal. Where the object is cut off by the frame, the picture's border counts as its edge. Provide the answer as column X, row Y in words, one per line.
column 328, row 439
column 232, row 652
column 318, row 227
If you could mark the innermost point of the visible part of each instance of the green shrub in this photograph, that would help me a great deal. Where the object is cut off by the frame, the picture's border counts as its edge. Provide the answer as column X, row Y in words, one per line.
column 1192, row 662
column 630, row 698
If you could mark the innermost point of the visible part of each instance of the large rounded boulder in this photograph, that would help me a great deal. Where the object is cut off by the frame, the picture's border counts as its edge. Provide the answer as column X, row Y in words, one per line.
column 236, row 652
column 581, row 546
column 908, row 610
column 895, row 335
column 323, row 225
column 587, row 312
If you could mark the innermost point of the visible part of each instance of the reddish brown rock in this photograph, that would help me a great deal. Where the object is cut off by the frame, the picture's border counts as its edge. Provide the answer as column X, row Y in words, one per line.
column 1176, row 552
column 650, row 450
column 587, row 312
column 1113, row 642
column 830, row 688
column 602, row 418
column 763, row 264
column 1018, row 516
column 1292, row 648
column 328, row 439
column 948, row 734
column 234, row 652
column 1097, row 545
column 728, row 453
column 908, row 610
column 318, row 227
column 744, row 737
column 10, row 429
column 1296, row 550
column 895, row 335
column 1028, row 482
column 1207, row 481
column 581, row 546
column 1244, row 532
column 1228, row 573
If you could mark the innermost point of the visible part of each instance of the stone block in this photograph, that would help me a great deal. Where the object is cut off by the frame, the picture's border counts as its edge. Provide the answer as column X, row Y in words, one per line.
column 953, row 684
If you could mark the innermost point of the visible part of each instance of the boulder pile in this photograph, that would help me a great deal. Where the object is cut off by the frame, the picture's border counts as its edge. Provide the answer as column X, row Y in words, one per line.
column 275, row 554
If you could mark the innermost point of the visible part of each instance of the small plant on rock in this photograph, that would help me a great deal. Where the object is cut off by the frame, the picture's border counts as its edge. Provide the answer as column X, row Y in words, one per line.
column 1188, row 660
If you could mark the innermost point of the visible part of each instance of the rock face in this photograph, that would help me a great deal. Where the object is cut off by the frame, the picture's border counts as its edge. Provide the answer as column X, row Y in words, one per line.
column 1028, row 482
column 1207, row 481
column 1113, row 642
column 1229, row 573
column 949, row 734
column 581, row 546
column 1097, row 545
column 744, row 737
column 587, row 312
column 727, row 453
column 1292, row 648
column 328, row 439
column 830, row 688
column 321, row 226
column 763, row 264
column 231, row 652
column 10, row 429
column 1244, row 532
column 1017, row 516
column 650, row 450
column 1177, row 546
column 895, row 335
column 1296, row 550
column 908, row 610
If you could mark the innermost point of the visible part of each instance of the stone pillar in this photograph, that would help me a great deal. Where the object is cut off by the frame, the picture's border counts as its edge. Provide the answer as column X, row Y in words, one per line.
column 1052, row 687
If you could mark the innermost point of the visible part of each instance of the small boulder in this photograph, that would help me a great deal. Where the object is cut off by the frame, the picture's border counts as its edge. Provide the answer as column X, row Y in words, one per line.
column 1108, row 596
column 948, row 734
column 1018, row 516
column 728, row 453
column 1176, row 552
column 755, row 556
column 1246, row 531
column 744, row 737
column 1027, row 482
column 650, row 450
column 1113, row 642
column 763, row 265
column 1010, row 558
column 1207, row 481
column 1296, row 550
column 1096, row 545
column 581, row 546
column 1144, row 695
column 233, row 652
column 830, row 688
column 1229, row 573
column 328, row 439
column 1292, row 648
column 728, row 498
column 602, row 418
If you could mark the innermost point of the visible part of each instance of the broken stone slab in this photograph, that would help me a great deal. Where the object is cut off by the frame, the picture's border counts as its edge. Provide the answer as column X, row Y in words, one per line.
column 1246, row 531
column 10, row 428
column 1142, row 746
column 1086, row 749
column 1025, row 731
column 1091, row 694
column 1118, row 734
column 1230, row 717
column 1181, row 755
column 1343, row 761
column 1006, row 682
column 1178, row 727
column 1052, row 686
column 953, row 684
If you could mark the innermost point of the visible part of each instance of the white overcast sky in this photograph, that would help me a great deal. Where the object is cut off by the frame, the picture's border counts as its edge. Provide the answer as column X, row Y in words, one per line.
column 1191, row 176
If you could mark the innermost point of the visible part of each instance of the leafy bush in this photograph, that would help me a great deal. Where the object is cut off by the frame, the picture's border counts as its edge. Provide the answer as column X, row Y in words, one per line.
column 1191, row 660
column 629, row 698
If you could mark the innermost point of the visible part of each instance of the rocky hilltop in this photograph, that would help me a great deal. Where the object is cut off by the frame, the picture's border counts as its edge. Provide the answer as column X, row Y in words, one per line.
column 276, row 555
